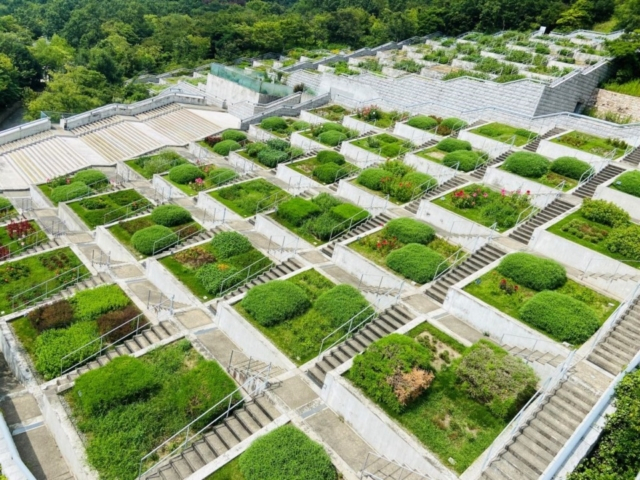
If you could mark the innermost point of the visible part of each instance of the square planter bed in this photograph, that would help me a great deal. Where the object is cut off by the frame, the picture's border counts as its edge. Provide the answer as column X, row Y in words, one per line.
column 454, row 154
column 18, row 237
column 155, row 164
column 283, row 127
column 227, row 261
column 378, row 118
column 110, row 207
column 332, row 113
column 591, row 144
column 394, row 178
column 310, row 309
column 329, row 135
column 249, row 198
column 54, row 335
column 384, row 145
column 624, row 192
column 324, row 175
column 504, row 133
column 422, row 128
column 171, row 385
column 211, row 176
column 228, row 141
column 81, row 184
column 270, row 153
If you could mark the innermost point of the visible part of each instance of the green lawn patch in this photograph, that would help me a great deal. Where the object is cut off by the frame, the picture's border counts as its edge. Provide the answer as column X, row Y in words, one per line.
column 248, row 198
column 333, row 113
column 553, row 180
column 107, row 208
column 379, row 118
column 385, row 145
column 7, row 210
column 504, row 133
column 148, row 166
column 231, row 471
column 307, row 168
column 592, row 144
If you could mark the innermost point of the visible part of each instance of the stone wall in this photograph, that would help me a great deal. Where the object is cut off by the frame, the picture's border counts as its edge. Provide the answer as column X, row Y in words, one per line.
column 619, row 103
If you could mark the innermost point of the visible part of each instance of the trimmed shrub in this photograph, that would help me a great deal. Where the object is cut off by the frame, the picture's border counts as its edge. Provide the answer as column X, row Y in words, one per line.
column 216, row 277
column 235, row 135
column 277, row 144
column 222, row 175
column 327, row 225
column 65, row 193
column 170, row 215
column 297, row 210
column 384, row 361
column 126, row 197
column 275, row 302
column 347, row 211
column 453, row 123
column 109, row 323
column 95, row 178
column 332, row 138
column 570, row 167
column 332, row 127
column 422, row 122
column 561, row 316
column 271, row 158
column 56, row 315
column 254, row 149
column 628, row 182
column 624, row 241
column 326, row 201
column 123, row 380
column 409, row 230
column 415, row 262
column 601, row 211
column 152, row 240
column 185, row 174
column 327, row 172
column 466, row 158
column 300, row 125
column 224, row 147
column 533, row 272
column 341, row 304
column 277, row 124
column 527, row 164
column 90, row 304
column 229, row 244
column 372, row 178
column 453, row 145
column 411, row 184
column 286, row 453
column 330, row 156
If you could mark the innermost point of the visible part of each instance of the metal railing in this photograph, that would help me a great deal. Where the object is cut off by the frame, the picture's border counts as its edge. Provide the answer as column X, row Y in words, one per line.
column 419, row 191
column 164, row 303
column 535, row 341
column 8, row 213
column 102, row 346
column 271, row 201
column 526, row 214
column 103, row 261
column 249, row 273
column 350, row 327
column 23, row 244
column 292, row 246
column 451, row 262
column 180, row 236
column 50, row 287
column 129, row 210
column 93, row 188
column 352, row 223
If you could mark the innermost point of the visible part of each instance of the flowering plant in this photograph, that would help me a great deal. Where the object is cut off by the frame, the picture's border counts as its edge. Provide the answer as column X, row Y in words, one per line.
column 508, row 288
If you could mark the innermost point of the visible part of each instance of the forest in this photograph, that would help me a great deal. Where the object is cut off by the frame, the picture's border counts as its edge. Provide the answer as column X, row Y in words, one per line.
column 75, row 55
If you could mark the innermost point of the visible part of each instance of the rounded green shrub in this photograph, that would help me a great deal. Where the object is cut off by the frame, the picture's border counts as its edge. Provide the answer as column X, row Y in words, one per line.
column 601, row 211
column 278, row 144
column 327, row 225
column 152, row 240
column 332, row 138
column 65, row 193
column 533, row 272
column 628, row 182
column 5, row 203
column 466, row 158
column 229, row 244
column 327, row 172
column 170, row 215
column 95, row 178
column 297, row 210
column 185, row 174
column 527, row 164
column 277, row 124
column 453, row 123
column 222, row 175
column 342, row 303
column 624, row 241
column 409, row 230
column 332, row 127
column 275, row 302
column 561, row 316
column 326, row 201
column 218, row 277
column 330, row 156
column 410, row 185
column 253, row 149
column 570, row 167
column 235, row 135
column 271, row 158
column 422, row 122
column 372, row 178
column 300, row 125
column 286, row 453
column 224, row 147
column 415, row 262
column 453, row 145
column 347, row 211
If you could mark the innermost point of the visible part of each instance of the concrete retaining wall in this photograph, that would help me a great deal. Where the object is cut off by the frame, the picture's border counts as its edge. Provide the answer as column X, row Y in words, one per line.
column 437, row 170
column 624, row 105
column 26, row 130
column 312, row 118
column 279, row 234
column 359, row 156
column 259, row 135
column 39, row 199
column 415, row 135
column 353, row 123
column 306, row 144
column 373, row 203
column 484, row 144
column 212, row 206
column 295, row 180
column 70, row 219
column 166, row 189
column 372, row 274
column 623, row 200
column 238, row 162
column 541, row 195
column 108, row 243
column 169, row 285
column 554, row 150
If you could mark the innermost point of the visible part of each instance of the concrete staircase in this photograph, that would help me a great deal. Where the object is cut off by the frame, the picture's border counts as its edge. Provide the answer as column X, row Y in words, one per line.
column 199, row 237
column 387, row 322
column 533, row 146
column 621, row 344
column 534, row 355
column 554, row 209
column 587, row 189
column 450, row 184
column 48, row 245
column 481, row 258
column 480, row 171
column 472, row 125
column 147, row 337
column 377, row 221
column 238, row 426
column 382, row 469
column 542, row 437
column 633, row 158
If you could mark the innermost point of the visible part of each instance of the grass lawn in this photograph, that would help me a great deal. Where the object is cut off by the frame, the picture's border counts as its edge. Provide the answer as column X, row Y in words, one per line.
column 590, row 144
column 385, row 145
column 148, row 166
column 247, row 197
column 306, row 167
column 488, row 290
column 300, row 337
column 231, row 471
column 103, row 209
column 504, row 133
column 382, row 119
column 212, row 180
column 551, row 179
column 433, row 154
column 333, row 113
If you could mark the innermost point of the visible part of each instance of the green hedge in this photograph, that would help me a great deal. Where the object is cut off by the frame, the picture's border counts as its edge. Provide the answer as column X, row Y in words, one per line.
column 215, row 277
column 466, row 158
column 347, row 211
column 332, row 127
column 229, row 244
column 415, row 262
column 275, row 302
column 65, row 193
column 271, row 158
column 185, row 174
column 372, row 178
column 563, row 317
column 570, row 167
column 170, row 215
column 224, row 147
column 422, row 122
column 410, row 185
column 601, row 211
column 152, row 240
column 286, row 453
column 453, row 145
column 326, row 201
column 624, row 241
column 235, row 135
column 533, row 272
column 453, row 123
column 277, row 124
column 628, row 182
column 90, row 304
column 278, row 144
column 332, row 138
column 341, row 304
column 409, row 230
column 95, row 178
column 527, row 164
column 330, row 156
column 327, row 172
column 297, row 210
column 253, row 149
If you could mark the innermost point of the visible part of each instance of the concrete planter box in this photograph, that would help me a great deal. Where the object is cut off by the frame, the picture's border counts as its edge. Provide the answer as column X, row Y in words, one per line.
column 360, row 126
column 462, row 64
column 369, row 201
column 169, row 285
column 312, row 118
column 437, row 170
column 70, row 219
column 306, row 144
column 279, row 234
column 295, row 180
column 541, row 195
column 166, row 189
column 415, row 135
column 628, row 202
column 108, row 243
column 485, row 144
column 39, row 199
column 210, row 205
column 554, row 150
column 372, row 275
column 259, row 135
column 359, row 156
column 238, row 162
column 203, row 153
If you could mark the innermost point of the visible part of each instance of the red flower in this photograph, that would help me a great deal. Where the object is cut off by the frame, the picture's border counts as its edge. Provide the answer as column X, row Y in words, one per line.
column 516, row 287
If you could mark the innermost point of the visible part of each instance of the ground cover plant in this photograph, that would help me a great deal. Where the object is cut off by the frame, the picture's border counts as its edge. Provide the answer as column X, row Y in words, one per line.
column 505, row 133
column 394, row 178
column 537, row 292
column 107, row 208
column 228, row 260
column 454, row 153
column 249, row 198
column 329, row 134
column 604, row 227
column 456, row 409
column 7, row 210
column 408, row 247
column 298, row 313
column 333, row 113
column 81, row 184
column 485, row 206
column 377, row 117
column 565, row 172
column 320, row 219
column 272, row 152
column 27, row 276
column 327, row 167
column 384, row 145
column 192, row 179
column 149, row 235
column 51, row 332
column 283, row 127
column 437, row 125
column 161, row 391
column 18, row 236
column 150, row 165
column 628, row 182
column 592, row 144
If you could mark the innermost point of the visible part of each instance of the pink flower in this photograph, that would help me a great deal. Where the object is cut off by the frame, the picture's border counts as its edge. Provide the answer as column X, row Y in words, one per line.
column 485, row 195
column 199, row 181
column 475, row 194
column 528, row 192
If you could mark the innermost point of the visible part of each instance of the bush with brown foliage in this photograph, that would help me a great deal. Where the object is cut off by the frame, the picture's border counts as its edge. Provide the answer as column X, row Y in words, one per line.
column 55, row 315
column 195, row 257
column 408, row 386
column 109, row 322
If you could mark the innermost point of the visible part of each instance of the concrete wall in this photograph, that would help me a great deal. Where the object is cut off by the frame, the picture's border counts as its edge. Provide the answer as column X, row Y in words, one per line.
column 238, row 162
column 415, row 135
column 169, row 285
column 369, row 201
column 359, row 156
column 360, row 126
column 541, row 195
column 166, row 189
column 279, row 234
column 231, row 91
column 306, row 144
column 437, row 170
column 623, row 200
column 311, row 118
column 70, row 219
column 484, row 144
column 295, row 180
column 554, row 150
column 259, row 135
column 39, row 199
column 619, row 103
column 212, row 206
column 113, row 247
column 26, row 130
column 372, row 274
